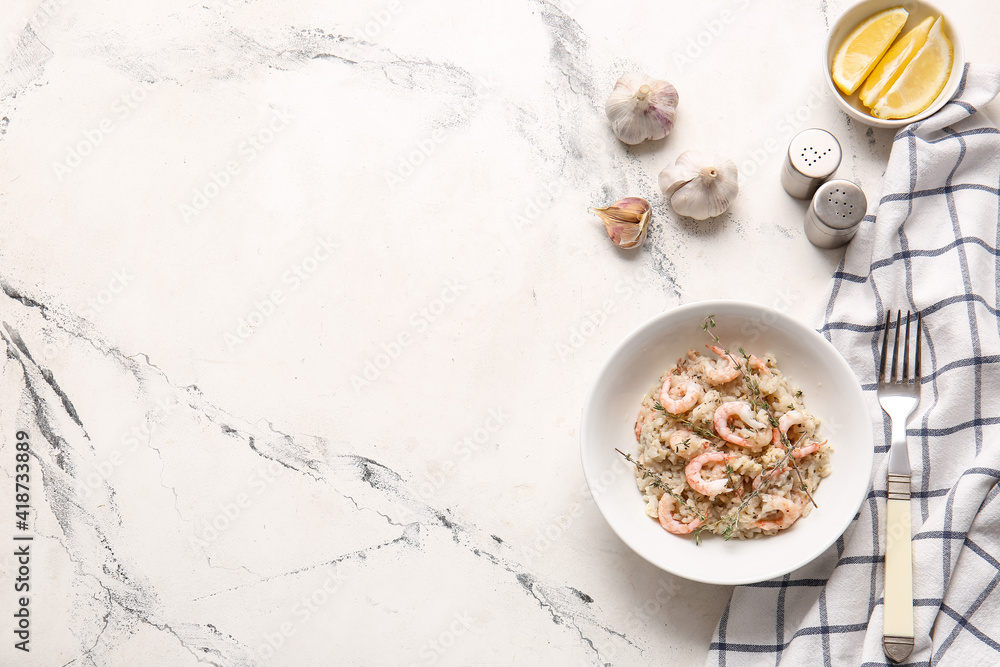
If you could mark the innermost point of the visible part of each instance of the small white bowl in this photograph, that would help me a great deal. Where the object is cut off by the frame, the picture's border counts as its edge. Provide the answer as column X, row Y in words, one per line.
column 831, row 392
column 918, row 11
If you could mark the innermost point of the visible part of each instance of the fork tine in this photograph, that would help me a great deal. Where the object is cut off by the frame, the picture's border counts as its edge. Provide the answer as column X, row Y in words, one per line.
column 895, row 346
column 885, row 346
column 906, row 351
column 916, row 363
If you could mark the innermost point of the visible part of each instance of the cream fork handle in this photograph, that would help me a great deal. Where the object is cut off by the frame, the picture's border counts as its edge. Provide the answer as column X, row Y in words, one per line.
column 897, row 627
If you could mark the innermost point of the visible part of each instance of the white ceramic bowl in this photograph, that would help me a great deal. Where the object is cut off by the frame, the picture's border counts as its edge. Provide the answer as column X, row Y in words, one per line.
column 831, row 392
column 918, row 11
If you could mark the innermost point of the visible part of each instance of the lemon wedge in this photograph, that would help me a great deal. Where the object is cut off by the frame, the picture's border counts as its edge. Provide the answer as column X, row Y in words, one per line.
column 894, row 62
column 922, row 80
column 863, row 48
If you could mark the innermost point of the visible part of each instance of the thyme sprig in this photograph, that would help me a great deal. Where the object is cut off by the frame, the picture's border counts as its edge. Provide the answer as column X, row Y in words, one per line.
column 749, row 377
column 730, row 521
column 795, row 467
column 738, row 490
column 657, row 482
column 700, row 430
column 757, row 403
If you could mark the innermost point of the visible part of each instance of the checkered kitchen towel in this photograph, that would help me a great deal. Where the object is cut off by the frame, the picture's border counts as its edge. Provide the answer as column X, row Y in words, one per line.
column 932, row 245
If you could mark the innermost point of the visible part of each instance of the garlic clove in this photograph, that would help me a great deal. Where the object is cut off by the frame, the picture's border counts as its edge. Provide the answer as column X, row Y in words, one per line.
column 673, row 177
column 700, row 184
column 626, row 221
column 641, row 108
column 699, row 203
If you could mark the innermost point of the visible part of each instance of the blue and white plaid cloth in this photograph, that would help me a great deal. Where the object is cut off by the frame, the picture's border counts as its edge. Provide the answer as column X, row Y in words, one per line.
column 930, row 242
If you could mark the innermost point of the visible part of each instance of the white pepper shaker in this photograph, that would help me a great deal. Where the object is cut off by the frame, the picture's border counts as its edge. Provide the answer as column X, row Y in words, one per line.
column 812, row 158
column 835, row 213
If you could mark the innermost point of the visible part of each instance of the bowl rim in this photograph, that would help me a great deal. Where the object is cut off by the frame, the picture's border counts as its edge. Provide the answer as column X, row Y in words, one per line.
column 783, row 319
column 950, row 87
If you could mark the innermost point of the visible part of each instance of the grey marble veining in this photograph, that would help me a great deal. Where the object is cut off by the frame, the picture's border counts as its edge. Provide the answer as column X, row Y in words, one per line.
column 301, row 303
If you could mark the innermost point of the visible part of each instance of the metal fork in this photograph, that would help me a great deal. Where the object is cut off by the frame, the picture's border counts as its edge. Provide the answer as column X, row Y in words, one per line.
column 898, row 394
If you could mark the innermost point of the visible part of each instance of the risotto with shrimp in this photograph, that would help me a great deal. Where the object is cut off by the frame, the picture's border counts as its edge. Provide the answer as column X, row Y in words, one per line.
column 727, row 446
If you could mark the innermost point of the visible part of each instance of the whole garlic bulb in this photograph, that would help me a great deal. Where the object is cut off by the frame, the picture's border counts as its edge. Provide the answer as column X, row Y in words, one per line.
column 700, row 184
column 641, row 108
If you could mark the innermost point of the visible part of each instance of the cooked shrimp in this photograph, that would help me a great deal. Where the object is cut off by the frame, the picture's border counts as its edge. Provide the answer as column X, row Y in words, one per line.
column 682, row 364
column 789, row 511
column 730, row 372
column 795, row 418
column 645, row 412
column 710, row 488
column 727, row 373
column 692, row 394
column 665, row 512
column 759, row 365
column 685, row 443
column 727, row 411
column 790, row 419
column 802, row 452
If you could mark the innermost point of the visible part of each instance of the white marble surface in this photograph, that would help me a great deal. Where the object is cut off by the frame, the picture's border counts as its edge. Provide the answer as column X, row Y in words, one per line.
column 302, row 301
